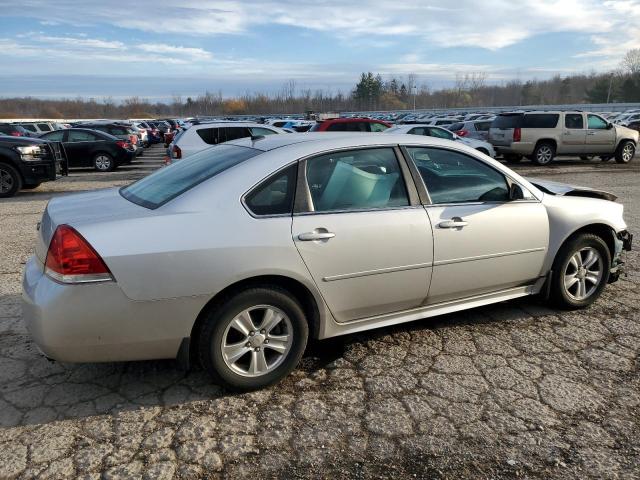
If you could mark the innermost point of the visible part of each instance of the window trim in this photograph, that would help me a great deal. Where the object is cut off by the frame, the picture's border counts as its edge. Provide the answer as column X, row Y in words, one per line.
column 243, row 198
column 424, row 191
column 302, row 202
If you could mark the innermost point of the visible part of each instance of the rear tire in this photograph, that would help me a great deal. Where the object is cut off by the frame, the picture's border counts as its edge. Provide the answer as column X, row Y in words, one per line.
column 103, row 162
column 239, row 366
column 625, row 152
column 10, row 180
column 577, row 283
column 512, row 158
column 544, row 153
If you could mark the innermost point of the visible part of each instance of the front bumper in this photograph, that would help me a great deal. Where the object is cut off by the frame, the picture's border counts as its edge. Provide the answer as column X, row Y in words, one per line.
column 623, row 242
column 97, row 322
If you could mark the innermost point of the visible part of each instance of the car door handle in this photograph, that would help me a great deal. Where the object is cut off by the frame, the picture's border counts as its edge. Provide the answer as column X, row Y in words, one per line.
column 455, row 222
column 311, row 236
column 591, row 133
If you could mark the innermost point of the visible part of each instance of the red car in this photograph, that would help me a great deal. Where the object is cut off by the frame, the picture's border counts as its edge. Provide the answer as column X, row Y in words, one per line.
column 350, row 125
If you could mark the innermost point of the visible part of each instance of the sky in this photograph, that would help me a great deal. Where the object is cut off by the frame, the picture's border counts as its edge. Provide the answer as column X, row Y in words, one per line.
column 159, row 49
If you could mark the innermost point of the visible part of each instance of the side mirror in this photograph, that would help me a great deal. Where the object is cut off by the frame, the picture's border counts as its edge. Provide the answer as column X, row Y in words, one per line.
column 609, row 126
column 515, row 192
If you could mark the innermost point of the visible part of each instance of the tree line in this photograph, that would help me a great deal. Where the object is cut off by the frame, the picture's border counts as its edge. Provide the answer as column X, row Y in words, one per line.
column 371, row 92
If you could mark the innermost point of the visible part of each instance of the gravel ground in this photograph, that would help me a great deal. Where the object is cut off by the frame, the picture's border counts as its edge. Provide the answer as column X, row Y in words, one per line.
column 514, row 390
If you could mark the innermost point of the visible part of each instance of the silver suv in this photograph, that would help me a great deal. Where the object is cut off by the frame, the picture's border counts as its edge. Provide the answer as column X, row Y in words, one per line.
column 541, row 136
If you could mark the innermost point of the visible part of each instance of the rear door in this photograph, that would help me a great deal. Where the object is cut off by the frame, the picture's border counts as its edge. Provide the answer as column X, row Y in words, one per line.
column 600, row 138
column 574, row 133
column 362, row 233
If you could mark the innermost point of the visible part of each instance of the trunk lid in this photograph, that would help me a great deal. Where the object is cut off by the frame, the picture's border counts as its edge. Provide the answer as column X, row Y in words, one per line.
column 82, row 209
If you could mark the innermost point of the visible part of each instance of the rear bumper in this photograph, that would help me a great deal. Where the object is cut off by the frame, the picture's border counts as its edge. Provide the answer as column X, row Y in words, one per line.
column 99, row 323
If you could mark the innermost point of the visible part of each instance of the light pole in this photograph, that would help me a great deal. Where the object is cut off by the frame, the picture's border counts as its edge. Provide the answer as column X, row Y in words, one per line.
column 415, row 92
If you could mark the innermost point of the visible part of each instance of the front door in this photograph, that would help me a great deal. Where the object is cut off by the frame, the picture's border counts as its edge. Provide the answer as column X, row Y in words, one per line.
column 600, row 137
column 486, row 239
column 367, row 247
column 78, row 145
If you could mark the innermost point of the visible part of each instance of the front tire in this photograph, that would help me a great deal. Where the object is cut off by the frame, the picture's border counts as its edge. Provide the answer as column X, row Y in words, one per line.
column 544, row 153
column 580, row 272
column 10, row 180
column 253, row 339
column 625, row 152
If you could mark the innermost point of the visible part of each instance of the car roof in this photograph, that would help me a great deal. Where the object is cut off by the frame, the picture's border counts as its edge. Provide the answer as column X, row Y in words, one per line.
column 230, row 124
column 317, row 141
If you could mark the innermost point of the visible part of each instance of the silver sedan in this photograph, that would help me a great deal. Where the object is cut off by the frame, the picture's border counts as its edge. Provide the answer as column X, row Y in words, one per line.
column 238, row 255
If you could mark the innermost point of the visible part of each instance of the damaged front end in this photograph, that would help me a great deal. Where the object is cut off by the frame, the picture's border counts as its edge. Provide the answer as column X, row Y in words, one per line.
column 622, row 242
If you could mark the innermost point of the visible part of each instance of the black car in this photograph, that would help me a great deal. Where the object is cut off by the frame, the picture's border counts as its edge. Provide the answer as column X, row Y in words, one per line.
column 27, row 162
column 118, row 130
column 92, row 148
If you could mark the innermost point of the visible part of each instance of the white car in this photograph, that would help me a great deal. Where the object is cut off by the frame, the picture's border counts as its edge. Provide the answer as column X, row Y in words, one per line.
column 201, row 136
column 439, row 132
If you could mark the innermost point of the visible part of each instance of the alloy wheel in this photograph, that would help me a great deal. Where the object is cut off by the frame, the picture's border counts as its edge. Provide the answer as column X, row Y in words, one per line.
column 583, row 273
column 6, row 181
column 545, row 154
column 103, row 162
column 257, row 340
column 627, row 153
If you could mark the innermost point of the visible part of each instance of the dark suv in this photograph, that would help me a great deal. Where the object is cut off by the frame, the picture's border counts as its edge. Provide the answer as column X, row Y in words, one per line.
column 27, row 162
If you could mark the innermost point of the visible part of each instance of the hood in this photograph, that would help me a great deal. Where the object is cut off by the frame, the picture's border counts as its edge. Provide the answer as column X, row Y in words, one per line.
column 19, row 141
column 563, row 189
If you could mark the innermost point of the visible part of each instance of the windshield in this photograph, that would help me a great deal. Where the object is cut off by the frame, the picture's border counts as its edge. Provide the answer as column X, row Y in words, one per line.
column 170, row 182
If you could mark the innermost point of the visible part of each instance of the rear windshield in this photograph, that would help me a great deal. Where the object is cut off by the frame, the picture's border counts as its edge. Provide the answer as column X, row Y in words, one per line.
column 168, row 183
column 507, row 121
column 456, row 126
column 540, row 120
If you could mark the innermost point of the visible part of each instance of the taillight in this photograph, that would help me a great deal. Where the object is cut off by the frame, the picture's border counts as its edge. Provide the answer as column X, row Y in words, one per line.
column 517, row 134
column 133, row 139
column 16, row 134
column 71, row 259
column 121, row 143
column 177, row 153
column 462, row 133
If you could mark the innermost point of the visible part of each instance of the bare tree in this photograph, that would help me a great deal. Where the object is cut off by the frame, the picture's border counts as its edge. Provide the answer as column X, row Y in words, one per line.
column 631, row 61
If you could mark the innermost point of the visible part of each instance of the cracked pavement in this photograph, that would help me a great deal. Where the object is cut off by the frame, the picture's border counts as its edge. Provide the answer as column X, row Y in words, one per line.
column 504, row 391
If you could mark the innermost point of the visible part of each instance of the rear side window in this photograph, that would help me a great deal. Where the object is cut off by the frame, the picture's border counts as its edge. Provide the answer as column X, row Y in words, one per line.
column 56, row 136
column 29, row 127
column 355, row 180
column 44, row 127
column 573, row 121
column 208, row 135
column 117, row 131
column 540, row 120
column 168, row 183
column 337, row 127
column 482, row 126
column 507, row 121
column 275, row 195
column 80, row 136
column 456, row 126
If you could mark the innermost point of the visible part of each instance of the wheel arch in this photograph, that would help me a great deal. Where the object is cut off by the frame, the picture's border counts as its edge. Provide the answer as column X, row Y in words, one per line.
column 297, row 289
column 551, row 140
column 602, row 230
